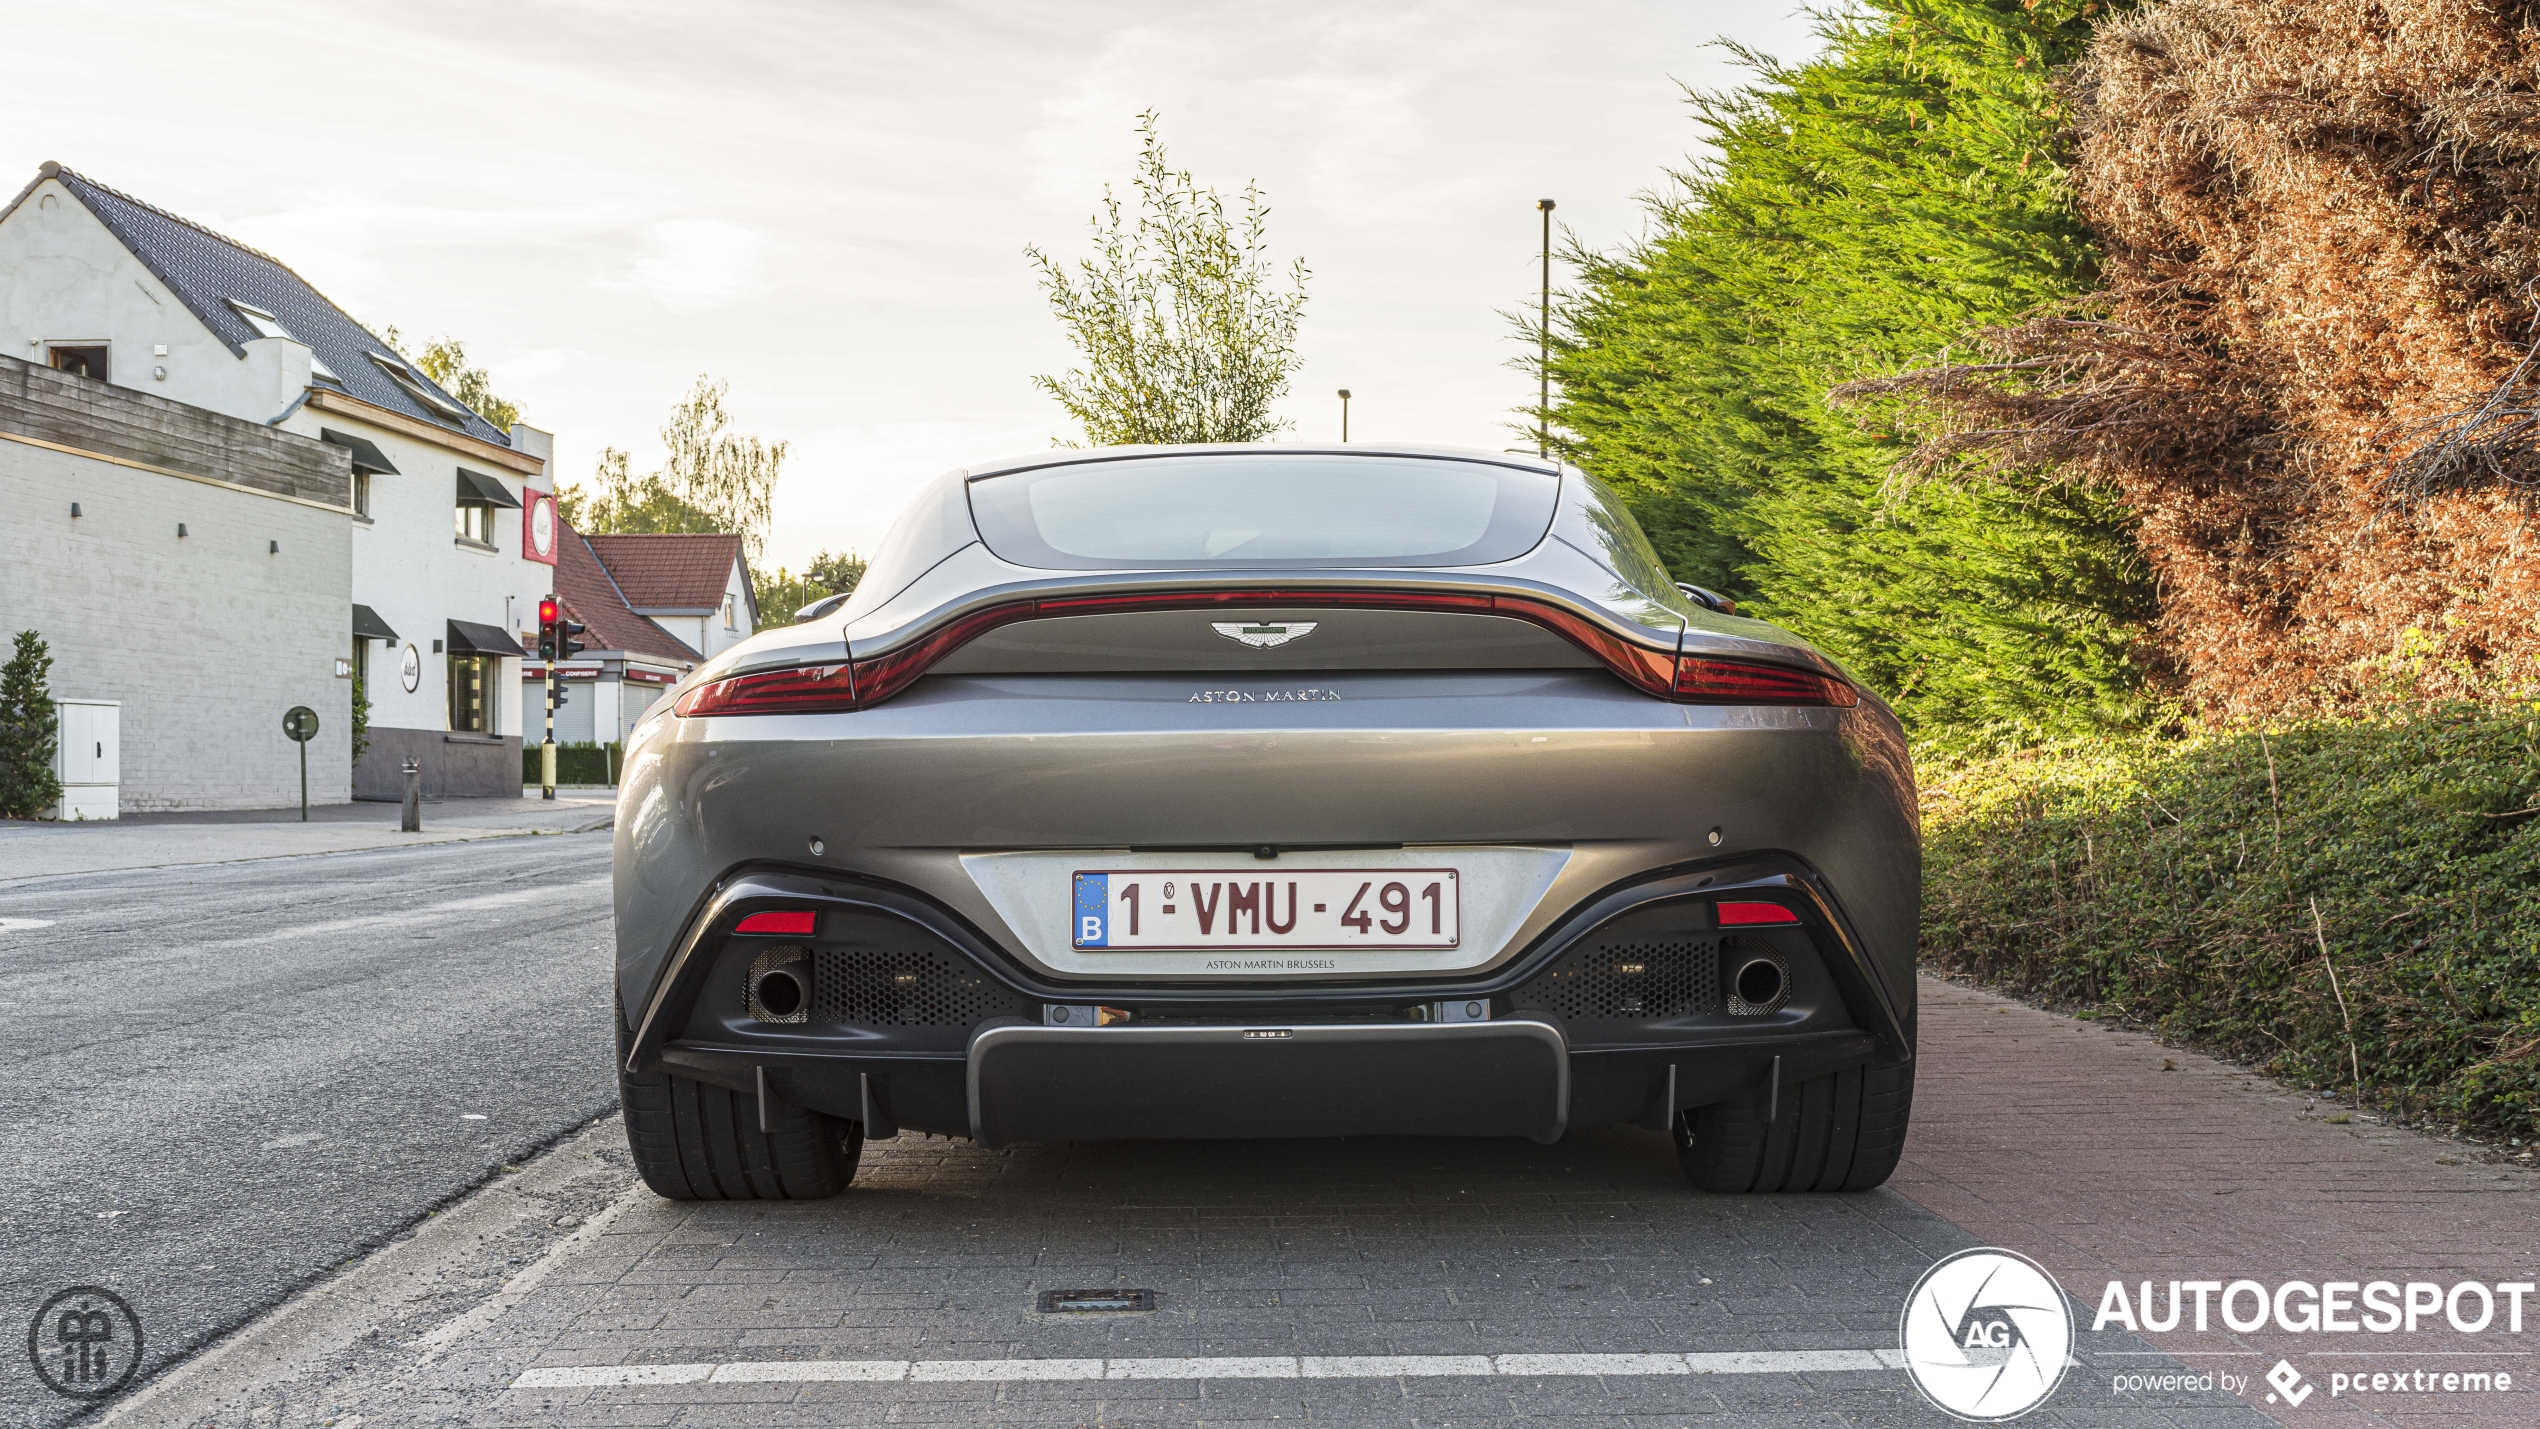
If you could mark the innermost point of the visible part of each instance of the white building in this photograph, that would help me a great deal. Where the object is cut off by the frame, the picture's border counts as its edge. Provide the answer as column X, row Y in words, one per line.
column 445, row 511
column 654, row 605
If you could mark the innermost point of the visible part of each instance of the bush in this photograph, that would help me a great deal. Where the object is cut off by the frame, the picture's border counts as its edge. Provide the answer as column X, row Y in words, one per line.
column 29, row 728
column 575, row 763
column 2317, row 264
column 2322, row 899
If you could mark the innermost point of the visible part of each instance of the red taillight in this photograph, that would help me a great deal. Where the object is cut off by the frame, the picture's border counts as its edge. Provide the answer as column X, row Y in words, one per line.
column 796, row 922
column 1747, row 915
column 1691, row 679
column 1702, row 680
column 804, row 689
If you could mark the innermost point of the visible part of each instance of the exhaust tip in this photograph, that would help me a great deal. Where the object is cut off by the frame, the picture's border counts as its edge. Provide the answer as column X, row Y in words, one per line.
column 780, row 986
column 1759, row 985
column 781, row 992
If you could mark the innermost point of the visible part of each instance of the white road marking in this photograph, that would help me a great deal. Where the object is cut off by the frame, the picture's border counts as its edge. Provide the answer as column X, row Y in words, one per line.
column 437, row 1341
column 22, row 925
column 1250, row 1367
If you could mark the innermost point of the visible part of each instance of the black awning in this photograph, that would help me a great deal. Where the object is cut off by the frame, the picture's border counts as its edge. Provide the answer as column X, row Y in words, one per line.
column 469, row 638
column 366, row 457
column 475, row 487
column 368, row 626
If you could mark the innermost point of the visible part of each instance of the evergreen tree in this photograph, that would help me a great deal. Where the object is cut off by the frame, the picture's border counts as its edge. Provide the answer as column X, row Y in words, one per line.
column 29, row 728
column 1859, row 213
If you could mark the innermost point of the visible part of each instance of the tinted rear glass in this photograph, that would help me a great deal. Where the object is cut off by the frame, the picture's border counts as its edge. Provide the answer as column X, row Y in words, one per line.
column 1216, row 512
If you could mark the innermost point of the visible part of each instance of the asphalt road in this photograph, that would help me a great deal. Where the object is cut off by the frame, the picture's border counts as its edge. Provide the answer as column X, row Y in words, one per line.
column 226, row 1081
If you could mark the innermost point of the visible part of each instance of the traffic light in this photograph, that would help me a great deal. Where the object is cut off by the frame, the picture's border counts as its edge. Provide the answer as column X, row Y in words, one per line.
column 548, row 614
column 566, row 646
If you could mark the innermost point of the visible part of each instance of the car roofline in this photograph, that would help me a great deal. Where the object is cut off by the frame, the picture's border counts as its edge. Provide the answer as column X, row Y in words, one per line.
column 1085, row 456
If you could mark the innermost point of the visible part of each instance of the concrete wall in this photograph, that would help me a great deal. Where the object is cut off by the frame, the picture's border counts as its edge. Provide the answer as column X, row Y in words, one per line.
column 206, row 638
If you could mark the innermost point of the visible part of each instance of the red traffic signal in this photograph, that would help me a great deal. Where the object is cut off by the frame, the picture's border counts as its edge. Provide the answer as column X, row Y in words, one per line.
column 547, row 611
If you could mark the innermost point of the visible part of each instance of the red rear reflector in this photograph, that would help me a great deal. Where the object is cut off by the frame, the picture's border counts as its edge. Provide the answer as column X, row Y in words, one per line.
column 1733, row 915
column 797, row 922
column 1704, row 681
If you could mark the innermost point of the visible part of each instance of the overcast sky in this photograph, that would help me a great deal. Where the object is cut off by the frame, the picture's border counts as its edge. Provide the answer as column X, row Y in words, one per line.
column 826, row 204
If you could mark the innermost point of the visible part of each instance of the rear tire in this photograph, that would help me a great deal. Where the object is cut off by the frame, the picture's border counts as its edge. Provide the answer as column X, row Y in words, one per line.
column 1841, row 1132
column 694, row 1141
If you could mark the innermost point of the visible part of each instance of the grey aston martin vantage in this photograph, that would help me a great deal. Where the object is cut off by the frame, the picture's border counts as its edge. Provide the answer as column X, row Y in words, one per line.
column 1266, row 791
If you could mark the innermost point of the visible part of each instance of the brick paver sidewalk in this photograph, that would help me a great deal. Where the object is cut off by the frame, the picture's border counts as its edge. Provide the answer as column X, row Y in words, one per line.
column 2071, row 1143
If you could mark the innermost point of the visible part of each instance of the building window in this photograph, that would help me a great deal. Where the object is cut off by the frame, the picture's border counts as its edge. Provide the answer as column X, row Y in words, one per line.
column 81, row 361
column 471, row 693
column 476, row 522
column 727, row 614
column 361, row 493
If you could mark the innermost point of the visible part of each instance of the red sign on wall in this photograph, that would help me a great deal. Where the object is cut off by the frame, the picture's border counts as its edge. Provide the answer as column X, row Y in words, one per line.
column 538, row 527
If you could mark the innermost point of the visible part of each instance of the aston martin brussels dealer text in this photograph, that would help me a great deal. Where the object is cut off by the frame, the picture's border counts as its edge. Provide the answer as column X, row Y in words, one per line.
column 1266, row 792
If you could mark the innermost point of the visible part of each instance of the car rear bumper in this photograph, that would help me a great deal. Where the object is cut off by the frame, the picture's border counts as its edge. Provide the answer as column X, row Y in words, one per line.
column 916, row 1020
column 1506, row 1078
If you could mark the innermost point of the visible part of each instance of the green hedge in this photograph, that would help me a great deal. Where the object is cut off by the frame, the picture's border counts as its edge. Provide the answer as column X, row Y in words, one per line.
column 2172, row 883
column 575, row 763
column 1856, row 215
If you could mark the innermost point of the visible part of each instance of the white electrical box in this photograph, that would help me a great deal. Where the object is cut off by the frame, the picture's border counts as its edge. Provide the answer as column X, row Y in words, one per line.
column 88, row 757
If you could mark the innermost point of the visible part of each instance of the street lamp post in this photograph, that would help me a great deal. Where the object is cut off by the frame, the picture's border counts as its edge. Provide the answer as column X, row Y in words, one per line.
column 1543, row 341
column 1344, row 414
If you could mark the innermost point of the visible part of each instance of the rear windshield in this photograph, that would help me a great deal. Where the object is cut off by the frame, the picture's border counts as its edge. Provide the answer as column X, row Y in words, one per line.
column 1216, row 512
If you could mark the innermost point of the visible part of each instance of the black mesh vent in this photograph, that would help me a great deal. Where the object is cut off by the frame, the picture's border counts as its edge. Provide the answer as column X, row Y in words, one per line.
column 903, row 987
column 1642, row 975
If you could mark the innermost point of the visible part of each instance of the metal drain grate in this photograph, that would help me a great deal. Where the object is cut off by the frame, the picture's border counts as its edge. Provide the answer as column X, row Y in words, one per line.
column 1097, row 1302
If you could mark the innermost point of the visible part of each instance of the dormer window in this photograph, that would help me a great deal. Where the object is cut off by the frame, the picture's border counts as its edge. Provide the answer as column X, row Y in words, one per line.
column 266, row 325
column 424, row 392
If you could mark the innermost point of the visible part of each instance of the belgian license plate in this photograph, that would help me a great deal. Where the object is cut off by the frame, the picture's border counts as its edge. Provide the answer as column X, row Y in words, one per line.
column 1291, row 908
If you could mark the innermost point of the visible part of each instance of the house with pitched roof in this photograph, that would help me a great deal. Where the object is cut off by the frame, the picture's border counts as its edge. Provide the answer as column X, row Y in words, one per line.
column 654, row 606
column 451, row 521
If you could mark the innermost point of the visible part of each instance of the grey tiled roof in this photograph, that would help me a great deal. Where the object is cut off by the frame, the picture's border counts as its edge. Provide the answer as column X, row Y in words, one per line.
column 207, row 271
